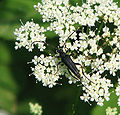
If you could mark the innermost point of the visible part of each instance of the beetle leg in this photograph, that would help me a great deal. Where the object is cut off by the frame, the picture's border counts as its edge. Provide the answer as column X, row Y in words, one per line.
column 76, row 78
column 57, row 56
column 72, row 74
column 77, row 64
column 57, row 68
column 83, row 72
column 51, row 51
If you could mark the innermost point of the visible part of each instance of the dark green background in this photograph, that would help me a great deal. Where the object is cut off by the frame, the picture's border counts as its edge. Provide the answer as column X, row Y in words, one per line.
column 17, row 89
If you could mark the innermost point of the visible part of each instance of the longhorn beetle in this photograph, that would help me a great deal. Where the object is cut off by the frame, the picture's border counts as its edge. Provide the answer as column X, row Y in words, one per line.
column 66, row 59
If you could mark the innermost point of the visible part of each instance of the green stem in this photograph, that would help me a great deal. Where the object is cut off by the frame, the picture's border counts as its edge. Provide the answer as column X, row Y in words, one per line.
column 76, row 101
column 87, row 30
column 100, row 28
column 82, row 29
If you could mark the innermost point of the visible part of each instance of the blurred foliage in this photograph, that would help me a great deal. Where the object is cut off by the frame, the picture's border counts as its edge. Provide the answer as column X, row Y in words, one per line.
column 17, row 89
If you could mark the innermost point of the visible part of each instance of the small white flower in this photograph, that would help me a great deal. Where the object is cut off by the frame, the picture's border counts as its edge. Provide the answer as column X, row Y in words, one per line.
column 87, row 62
column 119, row 101
column 111, row 111
column 35, row 108
column 100, row 51
column 92, row 34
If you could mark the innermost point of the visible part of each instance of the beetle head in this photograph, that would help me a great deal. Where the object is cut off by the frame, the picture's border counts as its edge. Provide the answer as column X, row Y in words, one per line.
column 60, row 51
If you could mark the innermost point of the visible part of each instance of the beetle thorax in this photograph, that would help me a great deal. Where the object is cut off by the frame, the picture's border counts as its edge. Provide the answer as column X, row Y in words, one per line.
column 62, row 54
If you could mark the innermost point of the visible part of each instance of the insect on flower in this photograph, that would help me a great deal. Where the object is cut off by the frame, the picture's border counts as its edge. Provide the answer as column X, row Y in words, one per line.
column 95, row 45
column 67, row 60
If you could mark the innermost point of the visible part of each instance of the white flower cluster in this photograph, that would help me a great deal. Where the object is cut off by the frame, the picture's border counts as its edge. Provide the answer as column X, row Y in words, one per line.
column 51, row 9
column 84, row 15
column 58, row 13
column 36, row 109
column 99, row 1
column 118, row 91
column 97, row 90
column 90, row 31
column 113, row 65
column 46, row 70
column 111, row 111
column 29, row 35
column 110, row 12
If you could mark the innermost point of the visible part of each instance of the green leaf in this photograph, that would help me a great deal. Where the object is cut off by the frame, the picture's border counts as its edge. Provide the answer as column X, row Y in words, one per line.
column 6, row 79
column 5, row 56
column 7, row 100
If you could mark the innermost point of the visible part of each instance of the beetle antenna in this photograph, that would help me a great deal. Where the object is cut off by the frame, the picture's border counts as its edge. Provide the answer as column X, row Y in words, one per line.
column 45, row 44
column 69, row 37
